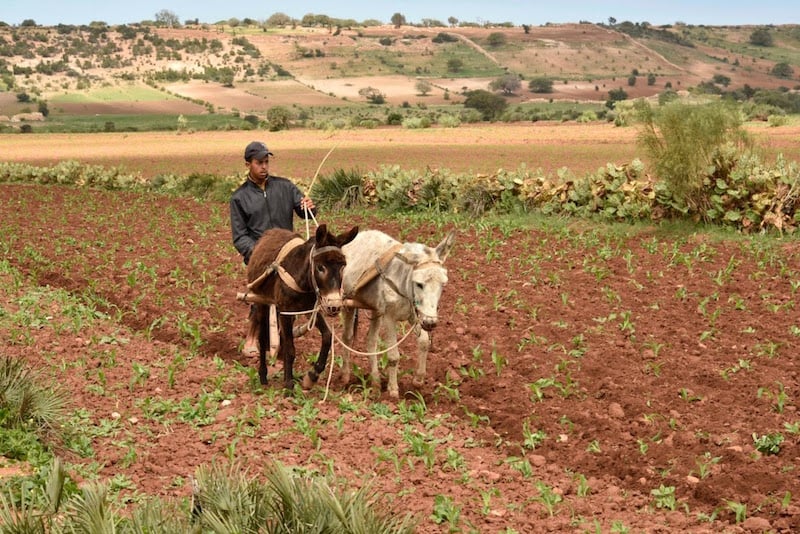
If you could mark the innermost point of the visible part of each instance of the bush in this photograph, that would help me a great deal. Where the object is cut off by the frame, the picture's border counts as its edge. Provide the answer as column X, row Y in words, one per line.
column 449, row 121
column 341, row 190
column 683, row 140
column 541, row 85
column 413, row 123
column 490, row 105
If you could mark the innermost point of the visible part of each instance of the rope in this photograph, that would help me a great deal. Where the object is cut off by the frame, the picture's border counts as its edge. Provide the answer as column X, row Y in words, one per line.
column 308, row 192
column 378, row 353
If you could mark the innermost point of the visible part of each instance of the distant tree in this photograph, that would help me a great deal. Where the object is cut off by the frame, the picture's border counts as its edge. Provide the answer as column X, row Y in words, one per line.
column 490, row 105
column 398, row 19
column 614, row 96
column 278, row 118
column 496, row 39
column 452, row 21
column 651, row 79
column 526, row 28
column 28, row 23
column 631, row 80
column 761, row 37
column 782, row 70
column 279, row 19
column 423, row 87
column 431, row 23
column 611, row 21
column 508, row 83
column 43, row 109
column 541, row 85
column 372, row 95
column 454, row 64
column 23, row 98
column 167, row 18
column 721, row 79
column 126, row 32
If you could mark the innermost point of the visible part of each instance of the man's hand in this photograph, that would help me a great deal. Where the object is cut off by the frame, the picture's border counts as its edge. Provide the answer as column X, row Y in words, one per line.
column 307, row 204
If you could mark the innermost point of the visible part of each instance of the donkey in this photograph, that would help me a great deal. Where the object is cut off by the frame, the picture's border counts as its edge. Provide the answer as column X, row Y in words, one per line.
column 397, row 282
column 296, row 276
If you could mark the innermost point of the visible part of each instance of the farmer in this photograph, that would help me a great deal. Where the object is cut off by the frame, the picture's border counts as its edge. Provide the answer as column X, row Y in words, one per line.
column 262, row 202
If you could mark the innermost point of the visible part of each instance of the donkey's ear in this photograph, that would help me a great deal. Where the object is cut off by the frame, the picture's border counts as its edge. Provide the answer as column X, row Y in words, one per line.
column 349, row 236
column 443, row 248
column 321, row 234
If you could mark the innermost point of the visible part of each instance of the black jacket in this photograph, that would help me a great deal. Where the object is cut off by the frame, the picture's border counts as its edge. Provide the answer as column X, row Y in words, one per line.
column 254, row 211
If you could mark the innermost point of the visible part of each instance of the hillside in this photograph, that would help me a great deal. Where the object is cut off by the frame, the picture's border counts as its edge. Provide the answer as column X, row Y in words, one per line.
column 99, row 69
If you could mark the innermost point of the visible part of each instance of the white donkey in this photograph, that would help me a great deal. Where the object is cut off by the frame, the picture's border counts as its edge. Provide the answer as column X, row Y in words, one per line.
column 395, row 282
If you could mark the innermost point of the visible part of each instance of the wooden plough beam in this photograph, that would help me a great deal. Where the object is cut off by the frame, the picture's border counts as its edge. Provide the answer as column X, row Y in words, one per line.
column 254, row 298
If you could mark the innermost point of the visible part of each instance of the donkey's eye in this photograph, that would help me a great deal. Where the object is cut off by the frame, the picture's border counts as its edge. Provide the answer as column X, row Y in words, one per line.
column 419, row 285
column 321, row 269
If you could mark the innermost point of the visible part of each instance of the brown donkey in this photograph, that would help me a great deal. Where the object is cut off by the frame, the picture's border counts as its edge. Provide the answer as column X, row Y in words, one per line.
column 295, row 276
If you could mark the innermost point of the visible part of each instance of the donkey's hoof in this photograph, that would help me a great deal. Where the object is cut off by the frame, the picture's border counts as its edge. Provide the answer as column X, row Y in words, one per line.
column 308, row 382
column 418, row 381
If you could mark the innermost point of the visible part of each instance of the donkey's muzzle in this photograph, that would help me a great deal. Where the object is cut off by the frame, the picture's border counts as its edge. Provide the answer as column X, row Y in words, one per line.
column 331, row 305
column 428, row 322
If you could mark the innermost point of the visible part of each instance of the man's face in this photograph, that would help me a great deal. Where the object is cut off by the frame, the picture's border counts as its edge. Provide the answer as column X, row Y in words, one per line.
column 258, row 168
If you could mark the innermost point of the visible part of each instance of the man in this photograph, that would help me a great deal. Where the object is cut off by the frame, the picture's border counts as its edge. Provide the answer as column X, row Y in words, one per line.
column 262, row 202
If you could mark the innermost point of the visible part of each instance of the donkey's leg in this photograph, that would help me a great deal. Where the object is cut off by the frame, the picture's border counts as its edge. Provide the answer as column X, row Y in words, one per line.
column 322, row 360
column 372, row 347
column 258, row 323
column 286, row 349
column 348, row 333
column 423, row 344
column 394, row 357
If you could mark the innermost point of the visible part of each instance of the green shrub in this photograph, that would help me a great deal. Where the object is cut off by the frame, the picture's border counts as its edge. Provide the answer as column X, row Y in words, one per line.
column 341, row 190
column 413, row 123
column 449, row 121
column 682, row 140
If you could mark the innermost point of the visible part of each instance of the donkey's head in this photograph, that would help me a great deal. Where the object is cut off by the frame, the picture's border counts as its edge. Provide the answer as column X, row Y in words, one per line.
column 327, row 264
column 428, row 278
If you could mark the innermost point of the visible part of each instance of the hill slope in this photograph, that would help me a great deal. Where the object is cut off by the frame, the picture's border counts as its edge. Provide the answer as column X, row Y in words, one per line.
column 249, row 69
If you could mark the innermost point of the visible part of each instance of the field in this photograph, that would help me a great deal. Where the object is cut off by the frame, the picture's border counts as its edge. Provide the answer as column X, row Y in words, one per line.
column 583, row 377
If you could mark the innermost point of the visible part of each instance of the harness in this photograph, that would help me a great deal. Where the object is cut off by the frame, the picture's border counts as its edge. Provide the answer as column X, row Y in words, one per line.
column 283, row 274
column 378, row 268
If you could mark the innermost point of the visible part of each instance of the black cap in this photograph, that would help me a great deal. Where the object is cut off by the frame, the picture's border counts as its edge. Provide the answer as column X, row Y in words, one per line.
column 256, row 150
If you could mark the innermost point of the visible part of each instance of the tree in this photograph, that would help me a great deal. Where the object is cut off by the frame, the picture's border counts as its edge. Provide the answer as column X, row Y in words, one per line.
column 279, row 19
column 398, row 19
column 28, row 23
column 526, row 28
column 541, row 85
column 454, row 64
column 782, row 70
column 278, row 118
column 490, row 105
column 508, row 83
column 761, row 37
column 495, row 39
column 721, row 79
column 614, row 96
column 372, row 94
column 168, row 18
column 423, row 87
column 452, row 21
